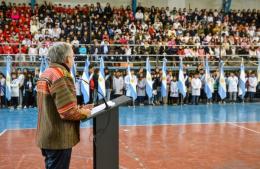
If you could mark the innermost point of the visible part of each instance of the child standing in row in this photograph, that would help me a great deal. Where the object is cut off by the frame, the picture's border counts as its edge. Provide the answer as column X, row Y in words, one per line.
column 15, row 90
column 174, row 91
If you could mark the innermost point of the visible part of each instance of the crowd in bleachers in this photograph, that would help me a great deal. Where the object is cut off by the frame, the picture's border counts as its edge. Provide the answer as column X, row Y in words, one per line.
column 155, row 31
column 27, row 33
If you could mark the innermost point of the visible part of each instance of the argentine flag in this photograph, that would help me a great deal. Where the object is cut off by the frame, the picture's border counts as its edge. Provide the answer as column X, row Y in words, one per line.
column 208, row 82
column 42, row 67
column 164, row 79
column 132, row 83
column 46, row 62
column 85, row 86
column 73, row 72
column 181, row 81
column 8, row 78
column 222, row 88
column 258, row 70
column 149, row 81
column 242, row 80
column 101, row 79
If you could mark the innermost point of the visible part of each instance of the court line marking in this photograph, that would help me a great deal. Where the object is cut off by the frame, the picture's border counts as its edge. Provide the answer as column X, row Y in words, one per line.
column 181, row 124
column 151, row 125
column 15, row 129
column 245, row 128
column 3, row 132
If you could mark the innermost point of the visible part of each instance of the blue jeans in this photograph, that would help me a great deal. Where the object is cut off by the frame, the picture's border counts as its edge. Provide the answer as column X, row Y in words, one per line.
column 57, row 159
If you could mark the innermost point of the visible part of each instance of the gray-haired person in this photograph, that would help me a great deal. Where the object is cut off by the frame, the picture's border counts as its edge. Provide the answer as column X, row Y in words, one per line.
column 59, row 115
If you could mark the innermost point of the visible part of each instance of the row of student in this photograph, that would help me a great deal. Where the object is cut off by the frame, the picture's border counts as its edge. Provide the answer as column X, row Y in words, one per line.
column 23, row 91
column 117, row 84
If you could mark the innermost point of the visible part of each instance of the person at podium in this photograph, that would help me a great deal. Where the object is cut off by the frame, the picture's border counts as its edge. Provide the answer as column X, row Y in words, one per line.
column 58, row 113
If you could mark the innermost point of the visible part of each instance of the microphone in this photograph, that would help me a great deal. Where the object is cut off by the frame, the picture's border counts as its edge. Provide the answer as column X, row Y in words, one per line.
column 103, row 97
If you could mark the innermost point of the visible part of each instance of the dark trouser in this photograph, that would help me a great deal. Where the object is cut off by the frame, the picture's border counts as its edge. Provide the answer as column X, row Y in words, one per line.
column 79, row 99
column 14, row 101
column 173, row 100
column 251, row 96
column 3, row 101
column 195, row 99
column 28, row 99
column 57, row 159
column 140, row 99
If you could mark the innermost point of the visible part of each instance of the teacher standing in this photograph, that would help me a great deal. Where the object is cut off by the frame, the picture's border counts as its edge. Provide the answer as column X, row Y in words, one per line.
column 58, row 116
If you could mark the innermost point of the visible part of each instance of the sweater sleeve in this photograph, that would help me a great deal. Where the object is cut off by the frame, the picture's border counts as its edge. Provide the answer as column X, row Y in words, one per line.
column 64, row 94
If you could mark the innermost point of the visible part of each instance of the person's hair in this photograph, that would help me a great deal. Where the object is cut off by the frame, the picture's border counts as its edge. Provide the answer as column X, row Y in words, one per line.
column 59, row 52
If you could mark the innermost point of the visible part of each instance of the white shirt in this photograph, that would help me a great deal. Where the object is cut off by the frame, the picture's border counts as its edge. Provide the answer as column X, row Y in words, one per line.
column 196, row 86
column 252, row 84
column 139, row 16
column 21, row 79
column 174, row 89
column 77, row 86
column 15, row 88
column 43, row 51
column 26, row 42
column 33, row 51
column 232, row 84
column 118, row 85
column 2, row 81
column 34, row 28
column 56, row 32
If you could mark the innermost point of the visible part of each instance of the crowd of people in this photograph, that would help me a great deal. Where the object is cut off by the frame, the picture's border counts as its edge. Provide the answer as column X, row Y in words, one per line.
column 93, row 30
column 105, row 30
column 24, row 91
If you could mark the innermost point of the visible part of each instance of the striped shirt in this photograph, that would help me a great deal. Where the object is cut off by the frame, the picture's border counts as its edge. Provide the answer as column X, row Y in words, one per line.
column 59, row 115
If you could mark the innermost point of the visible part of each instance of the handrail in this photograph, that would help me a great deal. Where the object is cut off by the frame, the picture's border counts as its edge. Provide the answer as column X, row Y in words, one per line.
column 138, row 55
column 137, row 45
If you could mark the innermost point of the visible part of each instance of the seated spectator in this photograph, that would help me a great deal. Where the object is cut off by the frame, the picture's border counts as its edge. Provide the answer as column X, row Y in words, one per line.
column 33, row 52
column 139, row 15
column 15, row 14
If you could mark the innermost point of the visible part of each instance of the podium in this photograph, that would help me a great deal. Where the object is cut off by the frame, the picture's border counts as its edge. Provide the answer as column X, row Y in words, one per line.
column 106, row 135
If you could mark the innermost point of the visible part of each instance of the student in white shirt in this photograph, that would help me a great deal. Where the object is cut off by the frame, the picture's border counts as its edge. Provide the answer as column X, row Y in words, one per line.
column 196, row 86
column 252, row 83
column 21, row 79
column 43, row 51
column 33, row 52
column 2, row 90
column 118, row 85
column 232, row 87
column 141, row 89
column 78, row 90
column 15, row 90
column 174, row 91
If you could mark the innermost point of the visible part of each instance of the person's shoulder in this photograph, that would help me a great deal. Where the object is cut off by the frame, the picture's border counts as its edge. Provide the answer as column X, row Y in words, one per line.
column 54, row 74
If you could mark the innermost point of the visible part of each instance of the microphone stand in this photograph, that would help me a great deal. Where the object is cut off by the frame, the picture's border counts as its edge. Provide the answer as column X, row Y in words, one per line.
column 103, row 98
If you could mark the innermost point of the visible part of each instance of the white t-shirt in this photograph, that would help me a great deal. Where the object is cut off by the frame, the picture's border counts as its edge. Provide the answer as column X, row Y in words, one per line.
column 139, row 15
column 232, row 84
column 15, row 88
column 2, row 81
column 21, row 79
column 118, row 85
column 43, row 51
